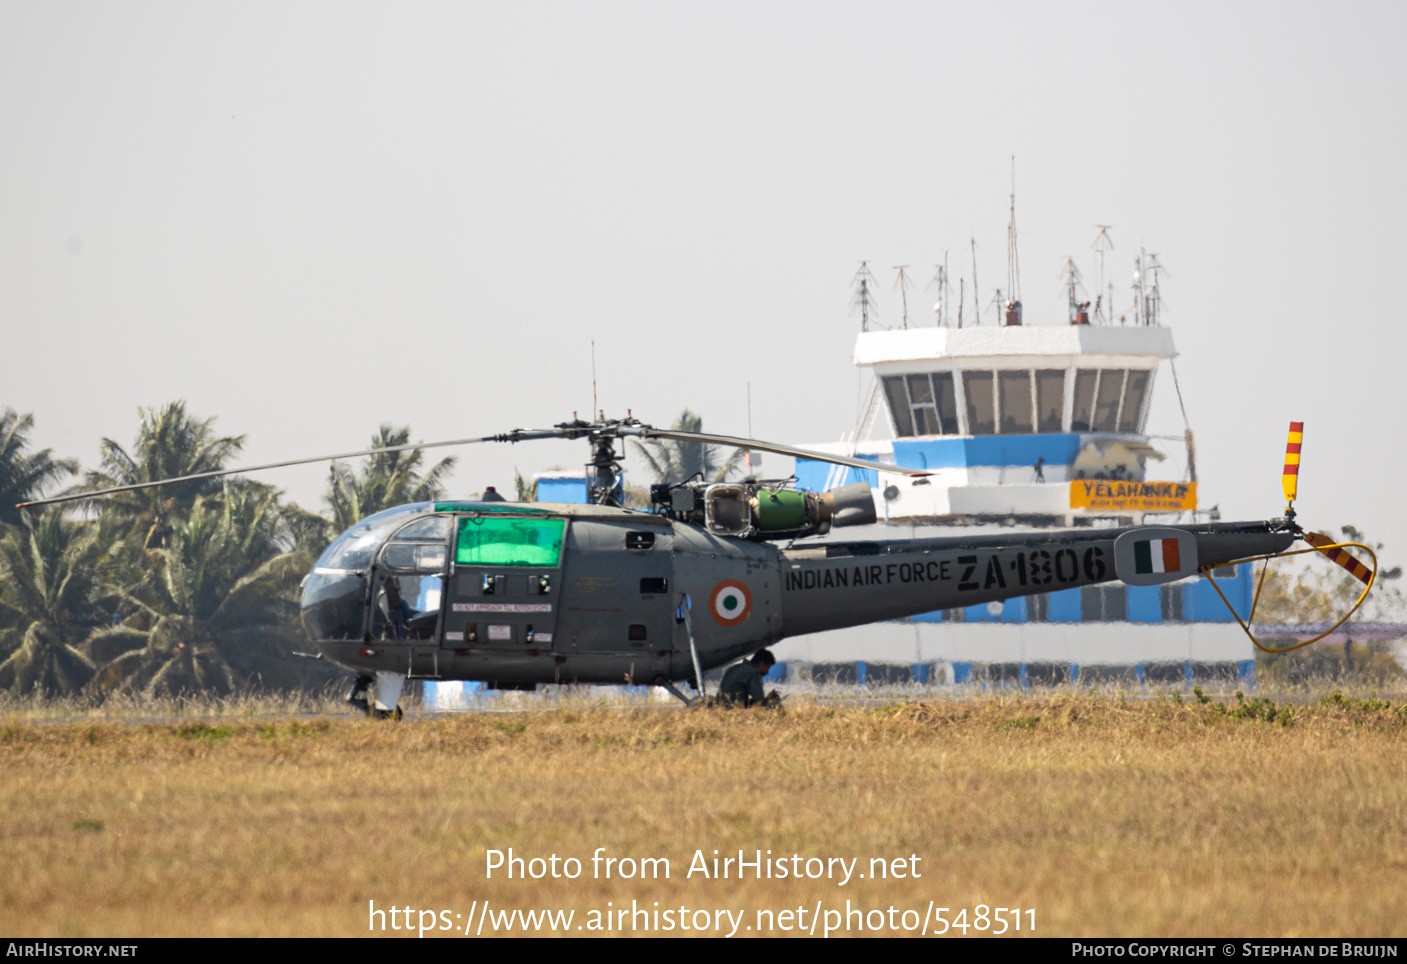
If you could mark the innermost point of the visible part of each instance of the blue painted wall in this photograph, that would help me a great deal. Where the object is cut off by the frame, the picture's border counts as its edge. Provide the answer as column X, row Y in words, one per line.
column 1014, row 610
column 944, row 453
column 562, row 490
column 957, row 453
column 1145, row 604
column 1065, row 606
column 823, row 476
column 1200, row 603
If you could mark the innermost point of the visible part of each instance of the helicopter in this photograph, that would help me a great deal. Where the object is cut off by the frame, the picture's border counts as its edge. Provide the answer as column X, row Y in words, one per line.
column 521, row 594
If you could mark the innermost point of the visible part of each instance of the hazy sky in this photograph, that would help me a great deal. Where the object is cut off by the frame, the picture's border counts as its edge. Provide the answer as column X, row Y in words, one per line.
column 308, row 219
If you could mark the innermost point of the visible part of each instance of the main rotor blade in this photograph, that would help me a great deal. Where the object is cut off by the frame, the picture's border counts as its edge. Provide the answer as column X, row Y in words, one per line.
column 747, row 443
column 100, row 493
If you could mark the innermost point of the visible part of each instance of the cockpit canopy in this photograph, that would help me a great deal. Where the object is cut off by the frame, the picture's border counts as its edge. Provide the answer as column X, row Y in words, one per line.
column 408, row 547
column 335, row 592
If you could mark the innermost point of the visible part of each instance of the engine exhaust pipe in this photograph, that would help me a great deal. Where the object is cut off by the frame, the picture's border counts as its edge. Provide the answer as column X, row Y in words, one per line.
column 849, row 505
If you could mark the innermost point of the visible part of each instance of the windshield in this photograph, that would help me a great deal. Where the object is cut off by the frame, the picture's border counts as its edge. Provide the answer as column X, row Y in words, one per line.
column 353, row 549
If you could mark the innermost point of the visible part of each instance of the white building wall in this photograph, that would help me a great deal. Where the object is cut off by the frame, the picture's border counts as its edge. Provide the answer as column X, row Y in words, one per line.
column 1084, row 644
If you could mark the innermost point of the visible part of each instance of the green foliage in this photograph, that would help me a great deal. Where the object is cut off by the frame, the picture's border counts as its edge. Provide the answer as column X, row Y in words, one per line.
column 51, row 575
column 524, row 490
column 1257, row 708
column 673, row 462
column 1018, row 723
column 171, row 591
column 169, row 443
column 196, row 621
column 1362, row 662
column 383, row 481
column 1311, row 589
column 295, row 728
column 24, row 475
column 1339, row 701
column 204, row 732
column 304, row 531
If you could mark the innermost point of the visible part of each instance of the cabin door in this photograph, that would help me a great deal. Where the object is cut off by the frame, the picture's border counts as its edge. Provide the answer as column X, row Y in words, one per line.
column 504, row 583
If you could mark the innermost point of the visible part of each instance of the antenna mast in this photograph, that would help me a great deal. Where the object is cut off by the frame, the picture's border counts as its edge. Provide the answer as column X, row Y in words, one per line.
column 1071, row 276
column 1155, row 296
column 1013, row 270
column 961, row 299
column 940, row 282
column 863, row 299
column 902, row 283
column 976, row 298
column 1102, row 244
column 1138, row 290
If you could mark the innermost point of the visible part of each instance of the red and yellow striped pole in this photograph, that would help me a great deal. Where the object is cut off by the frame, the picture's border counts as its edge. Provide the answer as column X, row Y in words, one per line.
column 1290, row 479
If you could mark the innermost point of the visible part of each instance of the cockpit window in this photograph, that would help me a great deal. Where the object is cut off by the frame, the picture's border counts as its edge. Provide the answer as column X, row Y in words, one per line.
column 414, row 557
column 354, row 548
column 509, row 542
column 433, row 529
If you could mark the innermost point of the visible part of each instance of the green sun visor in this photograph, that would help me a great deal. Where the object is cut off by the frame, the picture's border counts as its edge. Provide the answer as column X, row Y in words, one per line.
column 516, row 508
column 509, row 542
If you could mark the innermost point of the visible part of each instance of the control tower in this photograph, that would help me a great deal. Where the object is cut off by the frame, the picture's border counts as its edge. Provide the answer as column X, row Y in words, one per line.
column 1037, row 426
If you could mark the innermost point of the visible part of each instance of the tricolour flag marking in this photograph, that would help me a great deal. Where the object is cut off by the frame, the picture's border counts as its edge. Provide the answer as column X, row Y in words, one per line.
column 1156, row 555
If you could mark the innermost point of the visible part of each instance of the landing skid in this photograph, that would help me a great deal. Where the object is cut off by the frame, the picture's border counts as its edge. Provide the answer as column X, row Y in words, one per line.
column 360, row 697
column 670, row 688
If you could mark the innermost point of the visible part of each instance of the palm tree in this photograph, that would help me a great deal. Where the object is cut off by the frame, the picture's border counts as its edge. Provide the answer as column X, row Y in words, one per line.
column 385, row 480
column 169, row 443
column 49, row 576
column 673, row 462
column 304, row 531
column 23, row 476
column 217, row 609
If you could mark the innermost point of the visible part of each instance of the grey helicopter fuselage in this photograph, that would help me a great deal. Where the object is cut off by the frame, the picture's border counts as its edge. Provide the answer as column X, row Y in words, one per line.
column 523, row 593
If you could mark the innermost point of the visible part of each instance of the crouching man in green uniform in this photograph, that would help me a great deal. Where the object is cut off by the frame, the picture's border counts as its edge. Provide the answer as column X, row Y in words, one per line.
column 742, row 684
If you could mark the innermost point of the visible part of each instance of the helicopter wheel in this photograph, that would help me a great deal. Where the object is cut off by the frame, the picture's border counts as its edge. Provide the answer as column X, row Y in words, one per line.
column 396, row 714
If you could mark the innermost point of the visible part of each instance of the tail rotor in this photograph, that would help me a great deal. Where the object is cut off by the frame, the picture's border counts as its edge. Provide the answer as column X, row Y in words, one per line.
column 1335, row 551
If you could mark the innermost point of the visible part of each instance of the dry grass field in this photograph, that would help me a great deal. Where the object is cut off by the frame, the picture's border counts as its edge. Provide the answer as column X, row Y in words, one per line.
column 1106, row 815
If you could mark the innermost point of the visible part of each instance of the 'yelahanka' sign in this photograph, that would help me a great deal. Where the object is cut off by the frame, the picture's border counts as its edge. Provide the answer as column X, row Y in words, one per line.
column 1105, row 495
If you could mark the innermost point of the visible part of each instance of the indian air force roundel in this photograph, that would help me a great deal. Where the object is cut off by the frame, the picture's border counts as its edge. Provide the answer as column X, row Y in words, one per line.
column 1150, row 555
column 730, row 602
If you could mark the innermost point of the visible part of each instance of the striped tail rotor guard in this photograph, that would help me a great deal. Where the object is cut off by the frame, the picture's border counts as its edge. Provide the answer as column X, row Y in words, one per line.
column 1339, row 556
column 1290, row 479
